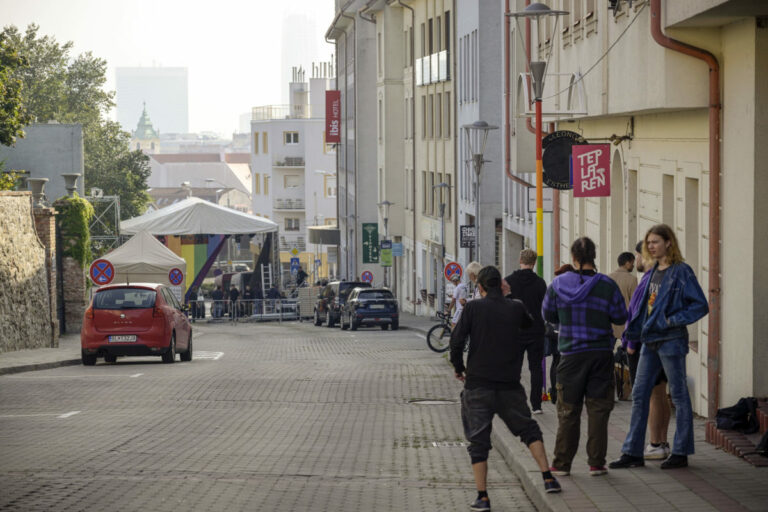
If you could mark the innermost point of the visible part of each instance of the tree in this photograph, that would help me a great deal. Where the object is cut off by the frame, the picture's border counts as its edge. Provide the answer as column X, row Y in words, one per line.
column 13, row 117
column 57, row 87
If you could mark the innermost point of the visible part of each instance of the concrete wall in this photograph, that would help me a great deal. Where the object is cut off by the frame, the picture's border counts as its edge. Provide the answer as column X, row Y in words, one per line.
column 24, row 302
column 47, row 151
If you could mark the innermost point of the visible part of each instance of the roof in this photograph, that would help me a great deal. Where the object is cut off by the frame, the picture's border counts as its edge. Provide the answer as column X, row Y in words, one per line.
column 144, row 129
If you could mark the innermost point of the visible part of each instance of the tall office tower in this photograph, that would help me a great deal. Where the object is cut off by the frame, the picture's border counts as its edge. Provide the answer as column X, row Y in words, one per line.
column 163, row 89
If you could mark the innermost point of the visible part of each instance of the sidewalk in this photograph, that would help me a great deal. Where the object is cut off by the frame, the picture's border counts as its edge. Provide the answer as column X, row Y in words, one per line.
column 67, row 354
column 715, row 480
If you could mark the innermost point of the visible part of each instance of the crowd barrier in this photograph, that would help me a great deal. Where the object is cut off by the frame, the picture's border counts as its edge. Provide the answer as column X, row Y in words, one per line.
column 241, row 310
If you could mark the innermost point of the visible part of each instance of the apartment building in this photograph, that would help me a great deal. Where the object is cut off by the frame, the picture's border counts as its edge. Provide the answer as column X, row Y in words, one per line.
column 293, row 171
column 614, row 77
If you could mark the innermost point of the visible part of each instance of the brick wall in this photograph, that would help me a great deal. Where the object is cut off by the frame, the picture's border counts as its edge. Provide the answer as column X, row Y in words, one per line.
column 25, row 320
column 45, row 226
column 73, row 278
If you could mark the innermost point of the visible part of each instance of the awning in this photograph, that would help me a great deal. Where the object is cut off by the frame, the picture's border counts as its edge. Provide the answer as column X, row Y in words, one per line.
column 324, row 235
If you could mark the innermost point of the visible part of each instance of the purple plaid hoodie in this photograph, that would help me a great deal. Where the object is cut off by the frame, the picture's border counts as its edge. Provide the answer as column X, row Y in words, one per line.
column 635, row 303
column 585, row 306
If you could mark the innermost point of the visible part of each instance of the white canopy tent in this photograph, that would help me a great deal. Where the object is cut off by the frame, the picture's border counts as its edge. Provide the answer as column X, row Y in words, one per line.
column 195, row 216
column 144, row 259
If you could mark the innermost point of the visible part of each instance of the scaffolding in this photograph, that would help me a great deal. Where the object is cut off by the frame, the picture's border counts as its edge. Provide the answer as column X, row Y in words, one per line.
column 105, row 224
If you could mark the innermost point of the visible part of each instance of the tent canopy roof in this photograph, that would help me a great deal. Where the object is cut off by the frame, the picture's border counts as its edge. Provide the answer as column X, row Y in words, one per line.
column 194, row 216
column 143, row 253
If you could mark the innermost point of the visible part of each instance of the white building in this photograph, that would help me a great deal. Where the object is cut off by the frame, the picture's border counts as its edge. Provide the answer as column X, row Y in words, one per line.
column 293, row 178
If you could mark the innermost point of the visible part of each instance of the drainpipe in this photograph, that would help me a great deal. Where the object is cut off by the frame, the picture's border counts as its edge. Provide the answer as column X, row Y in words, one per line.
column 713, row 330
column 413, row 147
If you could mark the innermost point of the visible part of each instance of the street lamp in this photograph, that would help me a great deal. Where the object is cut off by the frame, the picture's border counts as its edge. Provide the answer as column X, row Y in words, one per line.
column 477, row 137
column 384, row 210
column 442, row 186
column 536, row 11
column 226, row 188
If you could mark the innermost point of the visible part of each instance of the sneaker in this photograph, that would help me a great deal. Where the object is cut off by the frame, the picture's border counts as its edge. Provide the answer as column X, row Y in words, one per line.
column 559, row 472
column 597, row 470
column 675, row 461
column 538, row 411
column 552, row 485
column 481, row 505
column 660, row 452
column 627, row 461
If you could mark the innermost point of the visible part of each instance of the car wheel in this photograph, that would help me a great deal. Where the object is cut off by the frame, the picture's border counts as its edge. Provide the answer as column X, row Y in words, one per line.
column 318, row 322
column 344, row 325
column 384, row 327
column 328, row 321
column 109, row 358
column 170, row 356
column 395, row 325
column 88, row 359
column 187, row 356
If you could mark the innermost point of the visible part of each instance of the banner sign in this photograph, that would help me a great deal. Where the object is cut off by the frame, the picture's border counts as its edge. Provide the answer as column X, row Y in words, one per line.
column 467, row 236
column 386, row 253
column 332, row 117
column 370, row 242
column 591, row 170
column 547, row 196
column 397, row 249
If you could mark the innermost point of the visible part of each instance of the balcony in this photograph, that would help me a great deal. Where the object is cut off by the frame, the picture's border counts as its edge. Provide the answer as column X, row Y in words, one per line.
column 288, row 243
column 269, row 112
column 288, row 204
column 290, row 161
column 433, row 68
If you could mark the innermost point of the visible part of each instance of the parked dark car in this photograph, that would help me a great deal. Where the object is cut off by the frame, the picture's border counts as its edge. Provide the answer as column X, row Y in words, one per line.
column 331, row 299
column 370, row 306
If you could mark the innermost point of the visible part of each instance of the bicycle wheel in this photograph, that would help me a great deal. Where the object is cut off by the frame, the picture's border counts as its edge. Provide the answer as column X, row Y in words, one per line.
column 439, row 337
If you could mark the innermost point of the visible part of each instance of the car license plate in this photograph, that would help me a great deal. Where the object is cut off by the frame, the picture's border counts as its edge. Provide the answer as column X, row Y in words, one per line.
column 378, row 306
column 122, row 338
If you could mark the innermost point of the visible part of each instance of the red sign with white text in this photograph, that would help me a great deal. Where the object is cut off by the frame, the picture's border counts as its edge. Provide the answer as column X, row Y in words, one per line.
column 591, row 170
column 332, row 117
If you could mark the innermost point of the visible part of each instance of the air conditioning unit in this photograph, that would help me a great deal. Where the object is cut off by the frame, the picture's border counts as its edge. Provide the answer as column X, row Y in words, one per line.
column 97, row 192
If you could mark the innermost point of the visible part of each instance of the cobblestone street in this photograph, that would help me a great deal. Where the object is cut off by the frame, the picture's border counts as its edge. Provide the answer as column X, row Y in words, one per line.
column 266, row 417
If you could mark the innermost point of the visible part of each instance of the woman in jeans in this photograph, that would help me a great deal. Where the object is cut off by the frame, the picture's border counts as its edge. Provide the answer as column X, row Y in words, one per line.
column 672, row 299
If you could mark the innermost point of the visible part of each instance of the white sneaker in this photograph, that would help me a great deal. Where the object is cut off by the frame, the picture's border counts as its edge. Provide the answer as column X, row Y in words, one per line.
column 538, row 411
column 660, row 452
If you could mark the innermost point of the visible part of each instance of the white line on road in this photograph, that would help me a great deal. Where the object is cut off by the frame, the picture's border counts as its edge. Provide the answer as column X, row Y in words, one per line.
column 68, row 414
column 202, row 354
column 136, row 375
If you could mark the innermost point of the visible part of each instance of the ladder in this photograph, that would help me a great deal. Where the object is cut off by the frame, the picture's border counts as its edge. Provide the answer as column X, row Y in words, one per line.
column 266, row 278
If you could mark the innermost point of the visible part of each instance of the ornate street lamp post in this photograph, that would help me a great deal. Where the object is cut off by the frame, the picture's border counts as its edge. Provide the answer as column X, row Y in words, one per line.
column 477, row 137
column 384, row 210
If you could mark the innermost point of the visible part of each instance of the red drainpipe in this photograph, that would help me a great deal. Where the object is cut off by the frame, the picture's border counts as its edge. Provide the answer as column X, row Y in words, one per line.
column 713, row 331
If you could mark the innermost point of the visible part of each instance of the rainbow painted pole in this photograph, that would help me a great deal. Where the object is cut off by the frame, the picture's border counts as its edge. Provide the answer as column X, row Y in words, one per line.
column 539, row 195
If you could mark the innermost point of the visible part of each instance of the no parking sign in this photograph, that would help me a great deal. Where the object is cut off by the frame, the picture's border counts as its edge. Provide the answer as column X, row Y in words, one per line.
column 451, row 269
column 102, row 272
column 175, row 276
column 367, row 276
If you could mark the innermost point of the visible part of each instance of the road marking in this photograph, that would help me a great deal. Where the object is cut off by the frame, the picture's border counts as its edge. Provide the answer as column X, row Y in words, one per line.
column 201, row 354
column 68, row 414
column 26, row 415
column 136, row 375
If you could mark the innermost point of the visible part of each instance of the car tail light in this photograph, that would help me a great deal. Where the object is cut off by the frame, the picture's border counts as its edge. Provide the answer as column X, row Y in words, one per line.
column 89, row 313
column 156, row 312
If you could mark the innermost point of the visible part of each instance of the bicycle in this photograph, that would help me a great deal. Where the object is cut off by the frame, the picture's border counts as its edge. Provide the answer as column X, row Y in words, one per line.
column 439, row 336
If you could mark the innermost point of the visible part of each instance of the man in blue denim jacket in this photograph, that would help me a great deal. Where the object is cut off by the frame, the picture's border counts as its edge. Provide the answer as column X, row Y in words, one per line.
column 672, row 299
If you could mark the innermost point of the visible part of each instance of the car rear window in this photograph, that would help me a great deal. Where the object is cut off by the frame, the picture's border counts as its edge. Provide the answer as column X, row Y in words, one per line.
column 348, row 287
column 374, row 294
column 124, row 298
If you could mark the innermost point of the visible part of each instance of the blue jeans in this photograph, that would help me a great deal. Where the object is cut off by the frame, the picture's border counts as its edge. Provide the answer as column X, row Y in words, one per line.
column 670, row 356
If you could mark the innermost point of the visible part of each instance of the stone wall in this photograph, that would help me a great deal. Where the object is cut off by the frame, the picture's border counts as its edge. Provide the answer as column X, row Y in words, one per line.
column 25, row 319
column 45, row 226
column 74, row 291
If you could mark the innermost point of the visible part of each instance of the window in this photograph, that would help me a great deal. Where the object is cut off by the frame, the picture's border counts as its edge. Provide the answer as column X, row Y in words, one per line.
column 405, row 48
column 439, row 35
column 424, row 191
column 290, row 137
column 407, row 118
column 264, row 141
column 430, row 35
column 266, row 186
column 447, row 19
column 423, row 41
column 449, row 181
column 447, row 116
column 257, row 183
column 431, row 189
column 291, row 181
column 329, row 186
column 378, row 51
column 381, row 119
column 431, row 116
column 423, row 117
column 439, row 115
column 256, row 143
column 292, row 223
column 410, row 47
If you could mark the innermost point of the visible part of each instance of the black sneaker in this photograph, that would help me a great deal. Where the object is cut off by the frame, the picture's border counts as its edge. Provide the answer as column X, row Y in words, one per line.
column 551, row 485
column 481, row 505
column 627, row 461
column 675, row 461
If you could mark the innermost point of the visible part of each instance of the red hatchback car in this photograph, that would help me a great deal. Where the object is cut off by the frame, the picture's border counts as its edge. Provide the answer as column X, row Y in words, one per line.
column 140, row 319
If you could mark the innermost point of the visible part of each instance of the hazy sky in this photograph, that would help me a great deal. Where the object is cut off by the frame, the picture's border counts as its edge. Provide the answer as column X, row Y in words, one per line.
column 232, row 47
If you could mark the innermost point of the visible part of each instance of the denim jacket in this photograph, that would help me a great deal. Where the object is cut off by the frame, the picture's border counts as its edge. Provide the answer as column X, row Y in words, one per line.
column 680, row 302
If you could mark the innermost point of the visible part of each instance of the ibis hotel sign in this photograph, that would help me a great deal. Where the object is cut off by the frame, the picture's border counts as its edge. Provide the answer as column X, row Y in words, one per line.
column 333, row 117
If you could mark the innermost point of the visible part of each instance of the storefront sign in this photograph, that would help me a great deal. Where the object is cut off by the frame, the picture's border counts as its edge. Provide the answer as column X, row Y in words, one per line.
column 370, row 232
column 591, row 170
column 467, row 236
column 386, row 253
column 557, row 158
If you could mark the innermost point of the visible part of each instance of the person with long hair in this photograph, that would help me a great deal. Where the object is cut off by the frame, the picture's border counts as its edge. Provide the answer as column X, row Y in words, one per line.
column 672, row 299
column 585, row 303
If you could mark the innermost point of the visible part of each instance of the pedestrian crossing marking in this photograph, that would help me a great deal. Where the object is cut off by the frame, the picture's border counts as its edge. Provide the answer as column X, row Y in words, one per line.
column 201, row 354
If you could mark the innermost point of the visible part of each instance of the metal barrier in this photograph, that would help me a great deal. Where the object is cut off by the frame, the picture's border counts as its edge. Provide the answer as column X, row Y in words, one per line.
column 241, row 310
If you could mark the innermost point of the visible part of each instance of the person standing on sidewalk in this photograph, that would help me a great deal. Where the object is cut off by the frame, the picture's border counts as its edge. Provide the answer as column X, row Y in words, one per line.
column 584, row 303
column 551, row 334
column 473, row 269
column 530, row 289
column 492, row 379
column 459, row 298
column 672, row 299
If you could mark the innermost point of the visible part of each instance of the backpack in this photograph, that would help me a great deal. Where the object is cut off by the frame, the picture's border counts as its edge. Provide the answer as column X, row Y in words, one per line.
column 741, row 417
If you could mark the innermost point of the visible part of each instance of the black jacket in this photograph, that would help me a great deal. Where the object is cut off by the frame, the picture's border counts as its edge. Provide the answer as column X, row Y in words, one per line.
column 495, row 352
column 530, row 289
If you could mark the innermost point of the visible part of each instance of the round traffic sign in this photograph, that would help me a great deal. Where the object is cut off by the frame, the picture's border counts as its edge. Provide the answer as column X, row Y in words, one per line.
column 175, row 276
column 366, row 276
column 102, row 272
column 451, row 269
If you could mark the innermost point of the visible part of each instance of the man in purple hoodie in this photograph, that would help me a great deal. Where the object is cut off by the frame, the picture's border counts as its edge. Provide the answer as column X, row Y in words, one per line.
column 585, row 304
